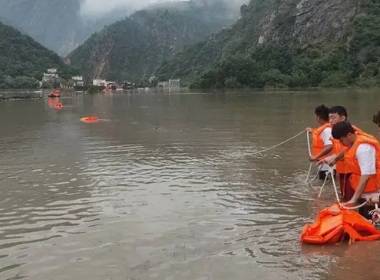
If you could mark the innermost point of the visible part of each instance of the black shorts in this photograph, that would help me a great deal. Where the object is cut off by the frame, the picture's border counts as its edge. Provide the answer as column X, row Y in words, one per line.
column 322, row 174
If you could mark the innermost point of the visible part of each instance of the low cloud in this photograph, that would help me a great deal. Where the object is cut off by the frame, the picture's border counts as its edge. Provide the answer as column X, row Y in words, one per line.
column 100, row 8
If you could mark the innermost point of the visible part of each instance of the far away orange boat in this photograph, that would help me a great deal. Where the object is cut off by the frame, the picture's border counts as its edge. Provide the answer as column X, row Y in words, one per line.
column 89, row 119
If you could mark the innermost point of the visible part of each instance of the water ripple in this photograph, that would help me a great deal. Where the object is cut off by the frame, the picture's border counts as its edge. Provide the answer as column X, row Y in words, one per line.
column 168, row 188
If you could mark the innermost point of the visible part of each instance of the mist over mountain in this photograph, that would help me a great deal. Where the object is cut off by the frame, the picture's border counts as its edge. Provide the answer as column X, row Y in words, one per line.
column 133, row 48
column 56, row 24
column 62, row 25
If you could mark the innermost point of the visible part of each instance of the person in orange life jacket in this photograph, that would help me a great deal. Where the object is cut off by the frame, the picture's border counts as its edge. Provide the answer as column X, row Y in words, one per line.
column 375, row 199
column 363, row 160
column 339, row 114
column 322, row 144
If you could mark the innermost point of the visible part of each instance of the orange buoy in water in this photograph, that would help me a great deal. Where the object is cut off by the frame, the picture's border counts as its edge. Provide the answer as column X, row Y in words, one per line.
column 58, row 105
column 89, row 119
column 334, row 223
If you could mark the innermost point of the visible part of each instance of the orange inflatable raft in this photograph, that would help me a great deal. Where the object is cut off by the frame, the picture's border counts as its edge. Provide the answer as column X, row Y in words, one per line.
column 334, row 223
column 89, row 120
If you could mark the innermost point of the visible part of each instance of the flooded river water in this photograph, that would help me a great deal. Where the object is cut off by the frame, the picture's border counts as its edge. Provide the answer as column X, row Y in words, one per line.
column 166, row 187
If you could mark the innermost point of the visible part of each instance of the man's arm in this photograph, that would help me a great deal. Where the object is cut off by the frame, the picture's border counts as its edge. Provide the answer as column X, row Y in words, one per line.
column 340, row 155
column 331, row 160
column 326, row 150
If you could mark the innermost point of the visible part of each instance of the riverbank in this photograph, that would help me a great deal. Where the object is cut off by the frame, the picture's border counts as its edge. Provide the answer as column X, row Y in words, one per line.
column 20, row 95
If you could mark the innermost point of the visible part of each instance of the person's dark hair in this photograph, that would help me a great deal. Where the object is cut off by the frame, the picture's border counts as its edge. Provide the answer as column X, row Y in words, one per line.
column 342, row 129
column 322, row 112
column 340, row 110
column 376, row 119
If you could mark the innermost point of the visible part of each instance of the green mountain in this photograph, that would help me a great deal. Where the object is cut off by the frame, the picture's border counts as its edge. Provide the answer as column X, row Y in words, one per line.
column 56, row 24
column 23, row 60
column 133, row 48
column 287, row 43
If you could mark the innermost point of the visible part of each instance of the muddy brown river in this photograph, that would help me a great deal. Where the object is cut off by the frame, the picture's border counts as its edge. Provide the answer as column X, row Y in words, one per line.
column 165, row 186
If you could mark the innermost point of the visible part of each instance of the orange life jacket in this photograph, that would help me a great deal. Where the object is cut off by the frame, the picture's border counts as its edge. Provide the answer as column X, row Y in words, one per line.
column 341, row 167
column 318, row 144
column 352, row 163
column 334, row 223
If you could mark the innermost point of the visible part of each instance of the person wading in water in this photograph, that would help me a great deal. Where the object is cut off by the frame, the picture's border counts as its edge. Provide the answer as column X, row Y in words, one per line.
column 338, row 114
column 362, row 157
column 322, row 144
column 375, row 199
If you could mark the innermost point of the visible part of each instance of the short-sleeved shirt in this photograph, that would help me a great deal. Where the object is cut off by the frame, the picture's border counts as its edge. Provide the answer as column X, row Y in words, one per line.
column 366, row 156
column 326, row 136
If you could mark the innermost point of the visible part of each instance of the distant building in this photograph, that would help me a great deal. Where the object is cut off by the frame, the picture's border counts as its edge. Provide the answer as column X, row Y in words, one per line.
column 51, row 75
column 163, row 84
column 174, row 83
column 169, row 84
column 99, row 82
column 78, row 80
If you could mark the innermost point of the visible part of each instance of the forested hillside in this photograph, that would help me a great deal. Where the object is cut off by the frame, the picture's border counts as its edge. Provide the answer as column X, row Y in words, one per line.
column 23, row 60
column 292, row 43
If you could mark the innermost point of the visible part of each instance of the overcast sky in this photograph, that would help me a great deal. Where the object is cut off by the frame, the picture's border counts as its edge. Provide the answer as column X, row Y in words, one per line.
column 99, row 7
column 96, row 8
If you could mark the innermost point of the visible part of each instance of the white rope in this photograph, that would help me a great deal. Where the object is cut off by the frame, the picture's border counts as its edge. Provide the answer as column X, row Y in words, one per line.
column 279, row 144
column 324, row 183
column 354, row 207
column 308, row 173
column 311, row 164
column 316, row 175
column 308, row 142
column 331, row 171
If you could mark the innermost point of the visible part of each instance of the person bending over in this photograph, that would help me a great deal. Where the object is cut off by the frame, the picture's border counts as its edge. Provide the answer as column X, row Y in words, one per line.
column 362, row 157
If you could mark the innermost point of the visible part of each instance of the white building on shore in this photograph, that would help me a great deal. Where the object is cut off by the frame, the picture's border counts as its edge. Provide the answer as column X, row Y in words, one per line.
column 172, row 83
column 78, row 80
column 51, row 75
column 99, row 82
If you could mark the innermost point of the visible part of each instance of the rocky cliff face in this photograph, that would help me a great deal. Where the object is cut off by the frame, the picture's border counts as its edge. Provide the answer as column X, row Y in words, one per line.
column 323, row 19
column 309, row 20
column 133, row 48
